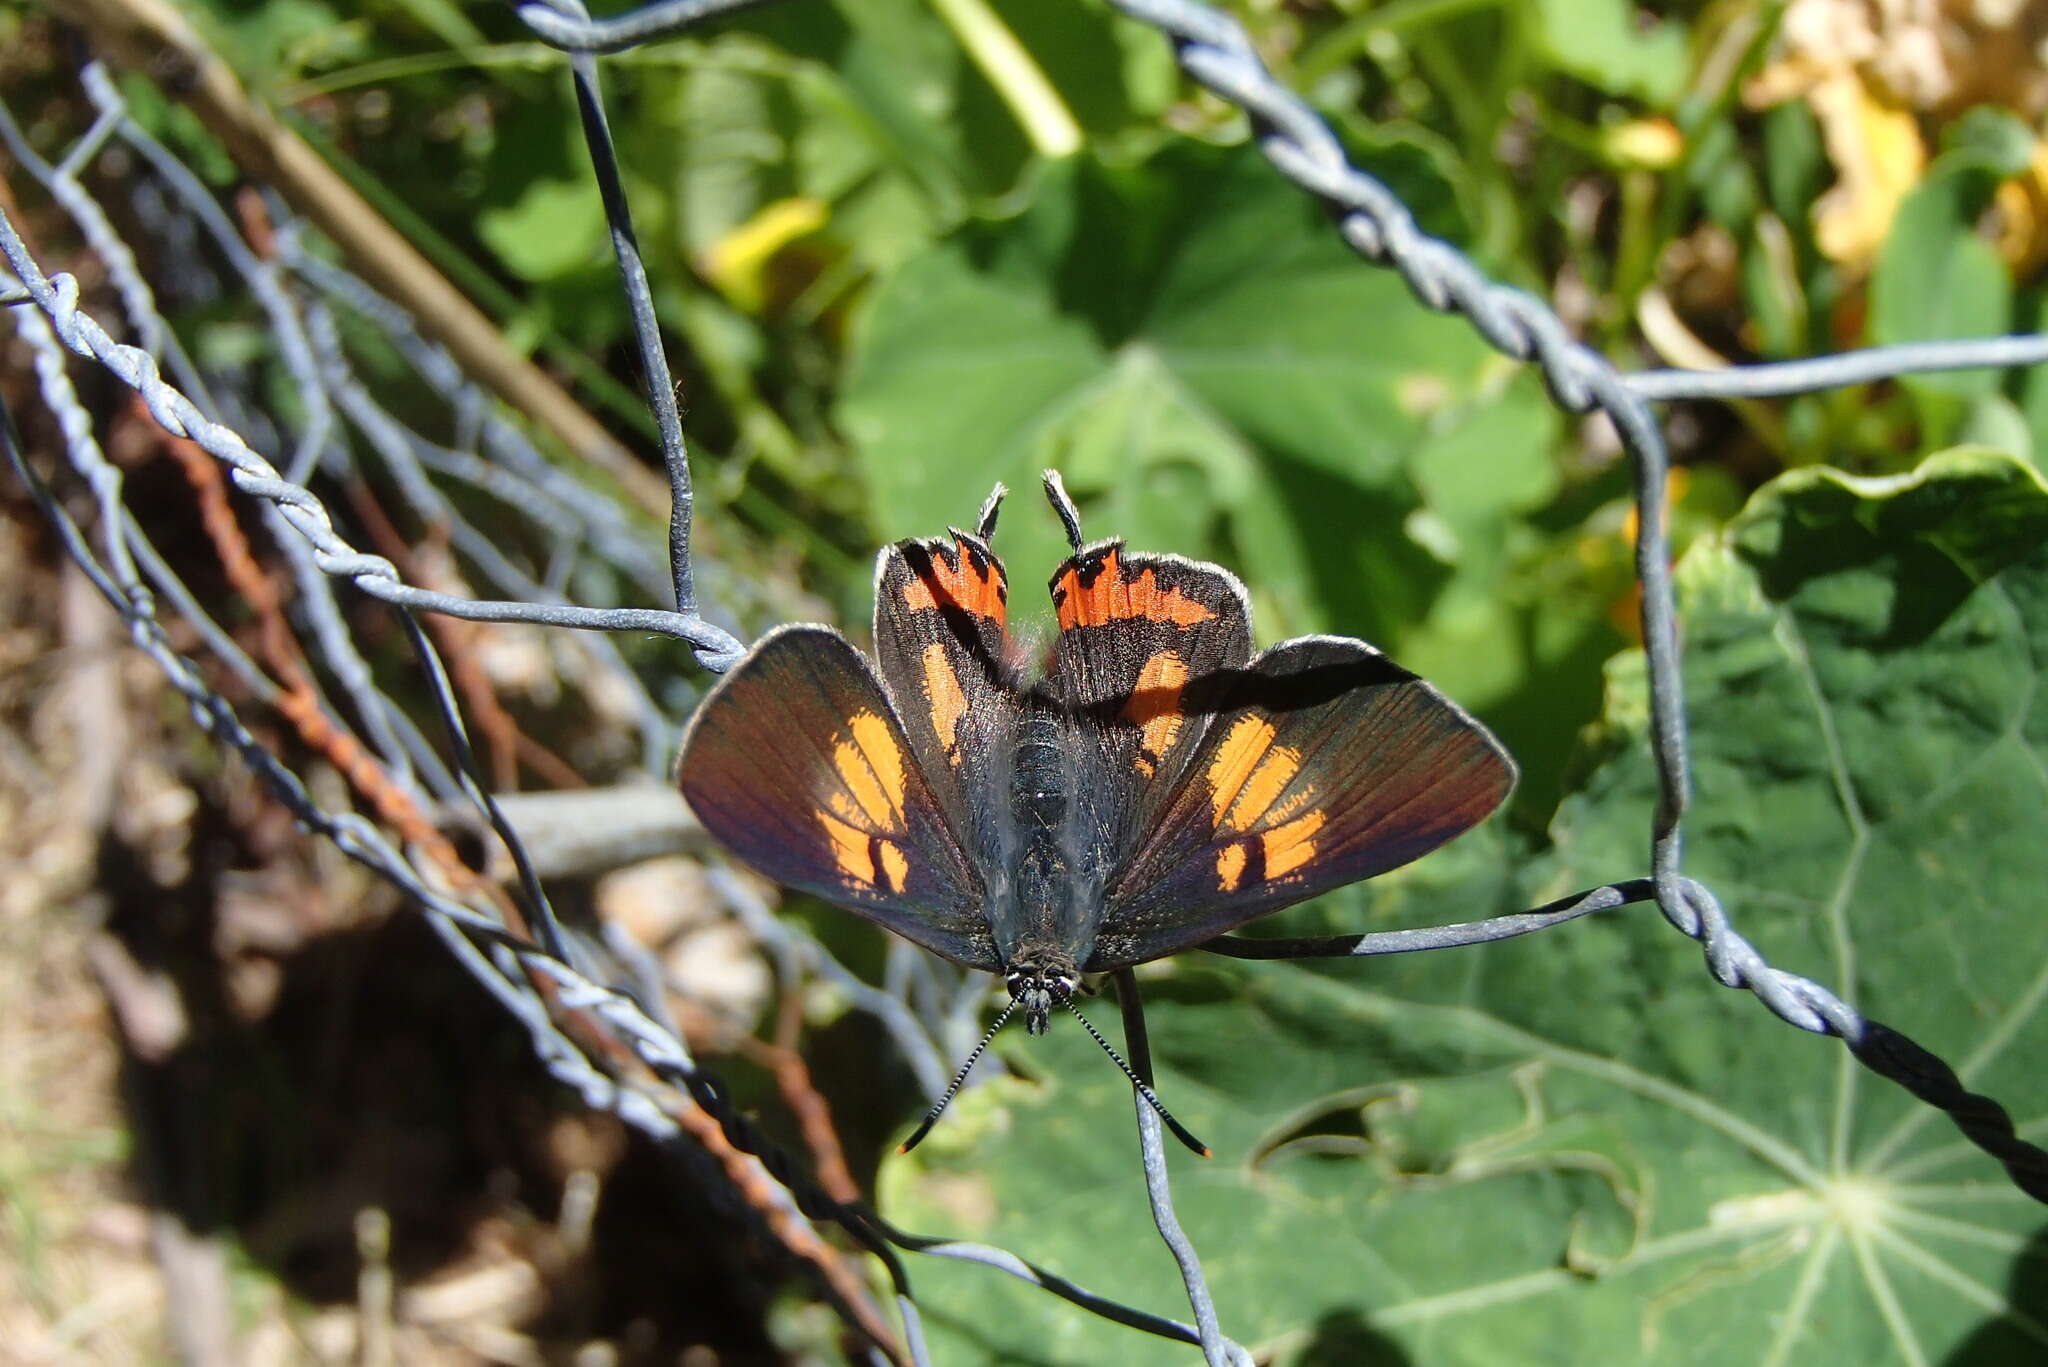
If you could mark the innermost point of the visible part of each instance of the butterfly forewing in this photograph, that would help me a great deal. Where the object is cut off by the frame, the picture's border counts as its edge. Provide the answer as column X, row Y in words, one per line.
column 798, row 763
column 1321, row 764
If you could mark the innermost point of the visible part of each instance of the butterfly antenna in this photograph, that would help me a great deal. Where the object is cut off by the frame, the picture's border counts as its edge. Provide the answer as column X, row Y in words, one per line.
column 1180, row 1131
column 1056, row 494
column 985, row 523
column 959, row 1078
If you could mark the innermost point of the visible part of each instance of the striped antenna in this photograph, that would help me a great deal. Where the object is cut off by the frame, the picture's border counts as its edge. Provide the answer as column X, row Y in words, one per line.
column 960, row 1077
column 1180, row 1131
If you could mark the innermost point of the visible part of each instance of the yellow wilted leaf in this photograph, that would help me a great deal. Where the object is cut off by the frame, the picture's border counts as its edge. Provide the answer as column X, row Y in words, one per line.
column 1653, row 144
column 1878, row 157
column 2022, row 213
column 735, row 263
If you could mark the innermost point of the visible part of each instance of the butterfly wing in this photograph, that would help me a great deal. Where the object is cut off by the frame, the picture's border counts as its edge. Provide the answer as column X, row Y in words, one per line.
column 941, row 606
column 1322, row 763
column 1136, row 632
column 798, row 763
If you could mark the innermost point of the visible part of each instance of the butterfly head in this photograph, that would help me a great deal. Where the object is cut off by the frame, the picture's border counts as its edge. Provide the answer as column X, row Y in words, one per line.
column 1040, row 988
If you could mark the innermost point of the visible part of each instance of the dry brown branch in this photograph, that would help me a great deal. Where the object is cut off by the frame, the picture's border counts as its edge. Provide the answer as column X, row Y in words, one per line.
column 813, row 1114
column 765, row 1195
column 297, row 700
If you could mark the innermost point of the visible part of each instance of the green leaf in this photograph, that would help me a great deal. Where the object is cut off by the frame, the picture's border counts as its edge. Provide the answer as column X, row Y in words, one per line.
column 1795, row 160
column 1996, row 421
column 1421, row 167
column 556, row 229
column 904, row 75
column 1937, row 278
column 445, row 20
column 1577, row 1147
column 1719, row 171
column 1190, row 324
column 1996, row 139
column 281, row 39
column 1771, row 288
column 1477, row 477
column 1108, row 70
column 1600, row 42
column 179, row 125
column 745, row 124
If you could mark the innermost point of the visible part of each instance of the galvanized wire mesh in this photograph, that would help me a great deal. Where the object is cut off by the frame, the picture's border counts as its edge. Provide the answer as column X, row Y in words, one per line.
column 594, row 1031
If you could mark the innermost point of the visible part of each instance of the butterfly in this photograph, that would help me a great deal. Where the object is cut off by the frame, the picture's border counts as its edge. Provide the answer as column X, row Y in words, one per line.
column 1154, row 785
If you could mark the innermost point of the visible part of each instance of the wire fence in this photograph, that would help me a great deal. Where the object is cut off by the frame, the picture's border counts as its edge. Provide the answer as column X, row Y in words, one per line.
column 577, row 995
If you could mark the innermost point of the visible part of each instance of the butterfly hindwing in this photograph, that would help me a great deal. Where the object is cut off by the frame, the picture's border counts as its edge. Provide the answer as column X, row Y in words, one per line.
column 799, row 764
column 941, row 605
column 1136, row 633
column 1322, row 763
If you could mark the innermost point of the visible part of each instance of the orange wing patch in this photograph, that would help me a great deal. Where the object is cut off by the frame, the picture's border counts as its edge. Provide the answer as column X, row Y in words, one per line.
column 1246, row 780
column 872, row 766
column 861, row 856
column 872, row 773
column 1292, row 845
column 946, row 698
column 1249, row 773
column 965, row 577
column 895, row 867
column 1154, row 707
column 852, row 850
column 1097, row 592
column 1230, row 862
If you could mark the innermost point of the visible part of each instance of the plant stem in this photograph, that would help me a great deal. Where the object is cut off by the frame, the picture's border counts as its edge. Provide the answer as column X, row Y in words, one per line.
column 1017, row 79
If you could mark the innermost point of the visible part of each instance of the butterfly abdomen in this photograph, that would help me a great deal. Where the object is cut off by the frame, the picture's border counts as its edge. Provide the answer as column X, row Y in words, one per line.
column 1038, row 782
column 1041, row 798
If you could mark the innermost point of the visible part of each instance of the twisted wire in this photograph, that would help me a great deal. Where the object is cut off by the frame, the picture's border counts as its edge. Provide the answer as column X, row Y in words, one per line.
column 57, row 297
